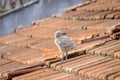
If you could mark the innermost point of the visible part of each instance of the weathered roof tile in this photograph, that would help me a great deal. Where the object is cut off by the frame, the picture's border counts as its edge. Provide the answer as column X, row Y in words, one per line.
column 27, row 50
column 107, row 49
column 48, row 74
column 90, row 66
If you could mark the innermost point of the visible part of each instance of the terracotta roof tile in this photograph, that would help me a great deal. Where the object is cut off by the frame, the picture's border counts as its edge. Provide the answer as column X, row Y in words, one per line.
column 107, row 49
column 6, row 48
column 107, row 1
column 86, row 15
column 73, row 8
column 16, row 69
column 113, row 15
column 48, row 74
column 117, row 54
column 4, row 61
column 24, row 55
column 101, row 10
column 37, row 31
column 27, row 50
column 26, row 42
column 117, row 77
column 12, row 38
column 90, row 66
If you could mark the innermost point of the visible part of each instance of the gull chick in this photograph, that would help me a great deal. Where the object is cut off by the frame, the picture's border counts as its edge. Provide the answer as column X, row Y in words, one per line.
column 64, row 43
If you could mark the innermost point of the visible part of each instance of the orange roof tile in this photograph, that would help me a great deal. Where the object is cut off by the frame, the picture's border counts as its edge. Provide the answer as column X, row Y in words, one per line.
column 107, row 49
column 26, row 51
column 48, row 74
column 90, row 66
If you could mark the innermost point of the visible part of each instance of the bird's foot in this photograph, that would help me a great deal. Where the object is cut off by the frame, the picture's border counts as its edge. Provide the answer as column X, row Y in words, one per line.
column 66, row 58
column 63, row 61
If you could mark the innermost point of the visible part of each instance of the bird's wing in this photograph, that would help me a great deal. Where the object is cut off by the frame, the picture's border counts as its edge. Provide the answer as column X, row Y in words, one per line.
column 66, row 42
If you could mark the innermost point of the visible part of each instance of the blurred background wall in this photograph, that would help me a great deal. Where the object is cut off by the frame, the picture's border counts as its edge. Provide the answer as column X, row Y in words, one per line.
column 24, row 16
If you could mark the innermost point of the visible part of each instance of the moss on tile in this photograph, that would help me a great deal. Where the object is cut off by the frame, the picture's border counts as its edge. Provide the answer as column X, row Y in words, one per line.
column 2, row 11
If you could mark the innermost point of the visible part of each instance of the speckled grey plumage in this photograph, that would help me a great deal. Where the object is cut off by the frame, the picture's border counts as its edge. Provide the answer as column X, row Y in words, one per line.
column 64, row 43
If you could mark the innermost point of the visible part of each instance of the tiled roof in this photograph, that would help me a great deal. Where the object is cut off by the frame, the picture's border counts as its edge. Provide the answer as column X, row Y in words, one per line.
column 48, row 74
column 111, row 49
column 96, row 67
column 10, row 68
column 94, row 10
column 30, row 53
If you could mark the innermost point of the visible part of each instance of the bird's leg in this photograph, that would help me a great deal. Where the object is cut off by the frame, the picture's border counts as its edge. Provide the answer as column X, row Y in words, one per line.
column 62, row 57
column 66, row 55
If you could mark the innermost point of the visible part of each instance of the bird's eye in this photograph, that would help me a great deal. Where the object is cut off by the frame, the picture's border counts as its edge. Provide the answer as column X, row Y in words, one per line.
column 64, row 33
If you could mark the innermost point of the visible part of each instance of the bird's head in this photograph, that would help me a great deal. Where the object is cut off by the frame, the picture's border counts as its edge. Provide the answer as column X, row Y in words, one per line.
column 59, row 34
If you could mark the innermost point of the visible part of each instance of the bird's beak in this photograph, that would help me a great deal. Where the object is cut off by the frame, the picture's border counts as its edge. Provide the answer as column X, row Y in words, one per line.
column 64, row 33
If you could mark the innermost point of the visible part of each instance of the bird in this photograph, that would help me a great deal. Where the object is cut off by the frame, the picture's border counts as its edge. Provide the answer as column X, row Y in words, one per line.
column 64, row 44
